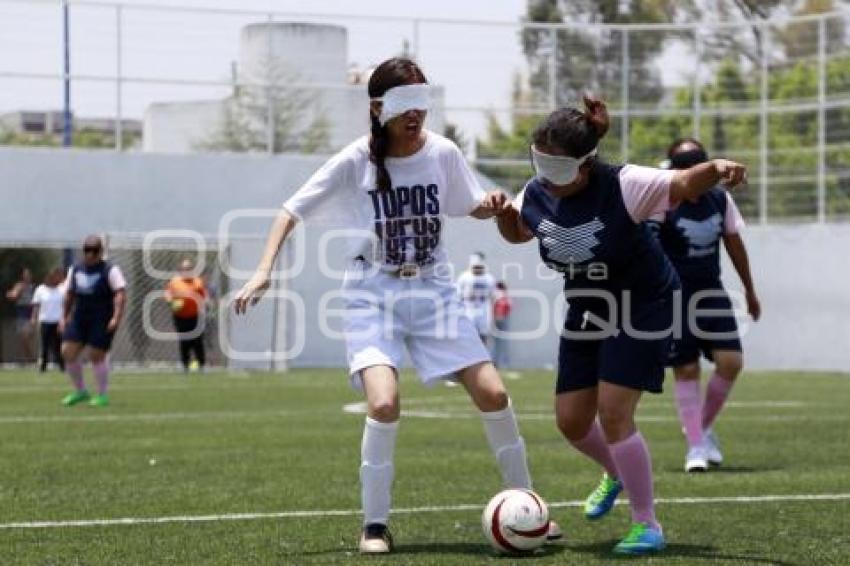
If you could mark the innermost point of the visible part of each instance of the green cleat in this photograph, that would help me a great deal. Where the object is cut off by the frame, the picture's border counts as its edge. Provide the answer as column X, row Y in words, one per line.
column 99, row 401
column 601, row 501
column 642, row 539
column 72, row 399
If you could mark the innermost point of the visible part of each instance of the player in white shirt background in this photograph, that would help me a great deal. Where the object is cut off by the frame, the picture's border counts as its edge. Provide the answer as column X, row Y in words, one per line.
column 476, row 288
column 48, row 303
column 395, row 187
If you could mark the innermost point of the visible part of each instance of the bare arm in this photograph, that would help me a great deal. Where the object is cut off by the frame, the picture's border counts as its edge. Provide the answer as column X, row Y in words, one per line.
column 67, row 308
column 118, row 302
column 740, row 260
column 14, row 293
column 254, row 288
column 34, row 317
column 513, row 228
column 692, row 183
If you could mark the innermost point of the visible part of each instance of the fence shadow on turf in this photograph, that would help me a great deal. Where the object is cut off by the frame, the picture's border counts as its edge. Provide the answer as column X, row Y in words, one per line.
column 602, row 550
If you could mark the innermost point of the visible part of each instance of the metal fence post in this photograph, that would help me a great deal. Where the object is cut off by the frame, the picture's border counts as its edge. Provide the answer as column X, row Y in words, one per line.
column 416, row 39
column 270, row 118
column 697, row 94
column 624, row 95
column 763, row 127
column 553, row 70
column 119, row 126
column 822, row 119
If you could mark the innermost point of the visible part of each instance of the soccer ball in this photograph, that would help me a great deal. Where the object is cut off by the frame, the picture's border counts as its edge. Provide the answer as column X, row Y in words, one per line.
column 516, row 521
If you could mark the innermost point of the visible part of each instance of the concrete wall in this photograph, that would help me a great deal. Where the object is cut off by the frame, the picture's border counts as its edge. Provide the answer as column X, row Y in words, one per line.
column 60, row 196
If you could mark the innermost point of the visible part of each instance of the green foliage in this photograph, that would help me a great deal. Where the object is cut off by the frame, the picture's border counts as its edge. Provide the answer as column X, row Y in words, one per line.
column 85, row 138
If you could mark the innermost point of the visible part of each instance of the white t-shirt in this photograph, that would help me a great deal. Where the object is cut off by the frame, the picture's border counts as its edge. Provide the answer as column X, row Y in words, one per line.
column 400, row 225
column 476, row 292
column 49, row 301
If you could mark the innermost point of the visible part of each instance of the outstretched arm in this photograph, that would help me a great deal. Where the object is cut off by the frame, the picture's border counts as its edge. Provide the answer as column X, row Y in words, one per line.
column 740, row 260
column 692, row 183
column 513, row 228
column 257, row 285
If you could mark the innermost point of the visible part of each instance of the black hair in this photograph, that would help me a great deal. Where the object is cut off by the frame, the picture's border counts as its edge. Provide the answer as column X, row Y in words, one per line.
column 391, row 73
column 680, row 142
column 569, row 130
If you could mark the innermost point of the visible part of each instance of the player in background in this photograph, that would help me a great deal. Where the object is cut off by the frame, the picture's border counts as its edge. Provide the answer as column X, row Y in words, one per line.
column 396, row 187
column 48, row 303
column 187, row 295
column 588, row 217
column 475, row 288
column 94, row 305
column 21, row 295
column 691, row 235
column 503, row 305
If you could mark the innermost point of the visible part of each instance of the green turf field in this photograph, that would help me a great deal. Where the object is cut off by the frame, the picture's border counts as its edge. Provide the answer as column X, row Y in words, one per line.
column 215, row 445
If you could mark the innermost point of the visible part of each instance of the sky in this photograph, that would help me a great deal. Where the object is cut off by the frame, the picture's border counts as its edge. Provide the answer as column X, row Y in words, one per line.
column 475, row 63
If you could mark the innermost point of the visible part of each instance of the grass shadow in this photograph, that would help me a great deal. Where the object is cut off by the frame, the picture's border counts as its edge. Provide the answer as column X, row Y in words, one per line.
column 447, row 549
column 603, row 550
column 726, row 470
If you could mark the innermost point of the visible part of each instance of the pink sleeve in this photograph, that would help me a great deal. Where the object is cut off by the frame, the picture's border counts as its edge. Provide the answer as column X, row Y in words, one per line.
column 733, row 222
column 646, row 191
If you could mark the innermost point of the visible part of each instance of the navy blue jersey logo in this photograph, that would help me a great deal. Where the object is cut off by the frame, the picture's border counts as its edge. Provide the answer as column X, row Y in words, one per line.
column 569, row 245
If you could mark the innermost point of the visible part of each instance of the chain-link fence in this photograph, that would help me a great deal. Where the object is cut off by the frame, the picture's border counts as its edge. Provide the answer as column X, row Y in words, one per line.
column 773, row 94
column 145, row 337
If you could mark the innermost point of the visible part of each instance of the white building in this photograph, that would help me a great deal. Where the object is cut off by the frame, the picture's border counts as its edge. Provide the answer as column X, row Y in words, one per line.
column 308, row 64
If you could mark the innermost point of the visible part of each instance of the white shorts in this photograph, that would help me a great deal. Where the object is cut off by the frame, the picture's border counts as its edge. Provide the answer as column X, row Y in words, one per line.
column 481, row 321
column 385, row 314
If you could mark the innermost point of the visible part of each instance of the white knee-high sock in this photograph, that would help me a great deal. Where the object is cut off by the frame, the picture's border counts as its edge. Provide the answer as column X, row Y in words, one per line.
column 376, row 470
column 508, row 446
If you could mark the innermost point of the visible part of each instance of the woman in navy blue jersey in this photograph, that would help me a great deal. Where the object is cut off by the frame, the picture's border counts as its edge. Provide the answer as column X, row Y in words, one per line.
column 588, row 217
column 690, row 236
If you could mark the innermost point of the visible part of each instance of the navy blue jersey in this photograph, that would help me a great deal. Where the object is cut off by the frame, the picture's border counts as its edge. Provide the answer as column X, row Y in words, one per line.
column 690, row 236
column 90, row 286
column 592, row 239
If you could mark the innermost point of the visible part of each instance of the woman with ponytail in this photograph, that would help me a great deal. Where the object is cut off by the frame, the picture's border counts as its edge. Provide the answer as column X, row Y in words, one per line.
column 394, row 189
column 588, row 217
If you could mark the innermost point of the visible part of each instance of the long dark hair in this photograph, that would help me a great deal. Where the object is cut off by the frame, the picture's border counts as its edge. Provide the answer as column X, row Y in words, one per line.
column 393, row 72
column 568, row 129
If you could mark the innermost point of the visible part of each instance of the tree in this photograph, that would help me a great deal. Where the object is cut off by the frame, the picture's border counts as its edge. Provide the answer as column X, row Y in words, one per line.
column 298, row 120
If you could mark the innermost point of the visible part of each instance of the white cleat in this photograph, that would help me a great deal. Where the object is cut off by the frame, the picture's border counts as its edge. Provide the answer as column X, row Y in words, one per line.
column 712, row 448
column 696, row 460
column 554, row 533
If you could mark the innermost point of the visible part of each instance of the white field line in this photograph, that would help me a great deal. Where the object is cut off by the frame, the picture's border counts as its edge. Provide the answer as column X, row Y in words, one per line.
column 832, row 497
column 210, row 415
column 359, row 408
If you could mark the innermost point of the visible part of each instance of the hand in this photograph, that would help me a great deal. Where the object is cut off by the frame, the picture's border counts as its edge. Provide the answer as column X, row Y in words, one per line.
column 731, row 174
column 112, row 325
column 597, row 112
column 753, row 305
column 496, row 203
column 252, row 291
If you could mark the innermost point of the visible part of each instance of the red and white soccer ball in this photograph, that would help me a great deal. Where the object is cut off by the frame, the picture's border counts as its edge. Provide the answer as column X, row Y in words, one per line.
column 516, row 521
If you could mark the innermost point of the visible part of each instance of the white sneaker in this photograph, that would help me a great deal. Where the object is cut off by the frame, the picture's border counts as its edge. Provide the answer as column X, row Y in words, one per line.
column 376, row 539
column 696, row 460
column 712, row 447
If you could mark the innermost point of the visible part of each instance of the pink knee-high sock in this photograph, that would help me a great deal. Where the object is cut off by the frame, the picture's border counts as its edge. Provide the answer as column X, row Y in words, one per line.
column 101, row 374
column 75, row 372
column 596, row 448
column 633, row 462
column 716, row 394
column 690, row 409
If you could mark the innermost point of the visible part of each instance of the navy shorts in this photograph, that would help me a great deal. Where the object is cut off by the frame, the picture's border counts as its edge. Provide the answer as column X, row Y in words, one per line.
column 89, row 330
column 717, row 331
column 624, row 358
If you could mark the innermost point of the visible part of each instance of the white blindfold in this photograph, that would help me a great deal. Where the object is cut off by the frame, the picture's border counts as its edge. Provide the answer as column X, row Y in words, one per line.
column 557, row 169
column 400, row 99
